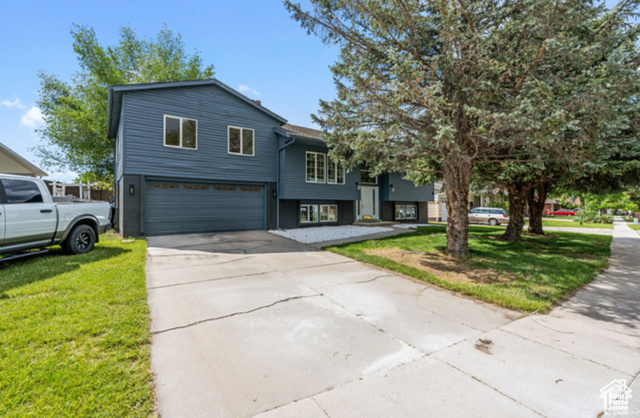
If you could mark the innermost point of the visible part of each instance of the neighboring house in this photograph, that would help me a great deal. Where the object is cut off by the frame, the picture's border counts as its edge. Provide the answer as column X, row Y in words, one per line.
column 551, row 205
column 12, row 163
column 197, row 156
column 438, row 208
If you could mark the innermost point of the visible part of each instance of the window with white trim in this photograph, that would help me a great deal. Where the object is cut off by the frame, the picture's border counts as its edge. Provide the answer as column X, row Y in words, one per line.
column 406, row 212
column 180, row 132
column 318, row 213
column 316, row 167
column 328, row 213
column 241, row 141
column 308, row 213
column 335, row 172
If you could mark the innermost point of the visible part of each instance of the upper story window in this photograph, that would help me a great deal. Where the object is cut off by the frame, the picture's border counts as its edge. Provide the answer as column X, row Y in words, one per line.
column 367, row 178
column 335, row 173
column 180, row 132
column 316, row 167
column 241, row 141
column 21, row 191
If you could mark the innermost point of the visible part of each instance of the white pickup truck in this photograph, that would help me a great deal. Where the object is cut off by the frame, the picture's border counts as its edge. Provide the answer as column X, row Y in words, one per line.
column 29, row 218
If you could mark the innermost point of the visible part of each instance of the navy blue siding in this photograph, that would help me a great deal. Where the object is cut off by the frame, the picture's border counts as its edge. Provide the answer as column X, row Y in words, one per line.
column 119, row 149
column 405, row 190
column 294, row 185
column 215, row 110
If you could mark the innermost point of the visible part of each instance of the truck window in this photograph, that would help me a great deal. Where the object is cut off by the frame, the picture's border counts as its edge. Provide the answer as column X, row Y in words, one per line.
column 21, row 191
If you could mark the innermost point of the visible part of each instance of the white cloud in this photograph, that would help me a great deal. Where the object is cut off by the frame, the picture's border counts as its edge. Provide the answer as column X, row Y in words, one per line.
column 32, row 118
column 16, row 103
column 246, row 89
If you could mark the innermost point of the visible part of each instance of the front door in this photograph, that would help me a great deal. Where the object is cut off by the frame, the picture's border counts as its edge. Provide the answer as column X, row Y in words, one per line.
column 368, row 203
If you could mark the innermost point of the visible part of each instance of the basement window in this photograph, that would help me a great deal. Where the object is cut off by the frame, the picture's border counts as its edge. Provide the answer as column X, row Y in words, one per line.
column 406, row 212
column 328, row 213
column 308, row 213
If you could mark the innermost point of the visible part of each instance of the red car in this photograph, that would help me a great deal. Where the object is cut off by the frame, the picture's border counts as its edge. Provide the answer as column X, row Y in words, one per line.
column 562, row 212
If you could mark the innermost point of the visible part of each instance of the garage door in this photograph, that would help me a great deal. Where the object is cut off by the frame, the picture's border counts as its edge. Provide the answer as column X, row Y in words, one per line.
column 182, row 208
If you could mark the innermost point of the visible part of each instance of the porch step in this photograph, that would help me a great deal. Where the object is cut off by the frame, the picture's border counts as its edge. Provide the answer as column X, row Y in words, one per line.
column 373, row 222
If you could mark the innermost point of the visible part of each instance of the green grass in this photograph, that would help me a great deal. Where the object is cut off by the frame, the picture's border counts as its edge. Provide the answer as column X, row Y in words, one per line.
column 565, row 224
column 634, row 227
column 542, row 269
column 74, row 332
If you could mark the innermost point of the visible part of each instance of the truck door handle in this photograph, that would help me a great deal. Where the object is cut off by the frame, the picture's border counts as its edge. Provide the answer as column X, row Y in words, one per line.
column 46, row 210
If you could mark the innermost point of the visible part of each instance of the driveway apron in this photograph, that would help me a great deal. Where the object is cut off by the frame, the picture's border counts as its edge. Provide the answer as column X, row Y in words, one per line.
column 250, row 323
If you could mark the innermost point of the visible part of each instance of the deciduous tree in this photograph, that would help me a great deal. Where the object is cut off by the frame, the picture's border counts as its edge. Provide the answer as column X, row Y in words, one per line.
column 75, row 113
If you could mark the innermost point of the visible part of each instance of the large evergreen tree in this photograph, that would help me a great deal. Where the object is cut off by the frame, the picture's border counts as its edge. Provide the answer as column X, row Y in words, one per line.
column 436, row 86
column 75, row 114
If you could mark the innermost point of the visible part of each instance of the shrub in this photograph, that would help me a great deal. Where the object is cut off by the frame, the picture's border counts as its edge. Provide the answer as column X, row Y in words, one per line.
column 593, row 217
column 498, row 204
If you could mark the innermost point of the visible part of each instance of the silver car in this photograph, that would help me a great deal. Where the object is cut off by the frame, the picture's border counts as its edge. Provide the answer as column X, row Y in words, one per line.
column 491, row 216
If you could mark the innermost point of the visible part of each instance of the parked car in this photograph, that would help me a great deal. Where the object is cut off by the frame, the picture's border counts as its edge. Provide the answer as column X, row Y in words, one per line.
column 491, row 216
column 30, row 219
column 562, row 212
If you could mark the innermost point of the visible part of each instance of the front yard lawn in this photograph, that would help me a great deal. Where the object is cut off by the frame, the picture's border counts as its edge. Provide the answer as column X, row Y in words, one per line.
column 565, row 224
column 74, row 332
column 529, row 275
column 635, row 227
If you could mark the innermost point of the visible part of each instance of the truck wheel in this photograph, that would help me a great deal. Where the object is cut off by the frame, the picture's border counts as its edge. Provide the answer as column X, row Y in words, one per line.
column 80, row 241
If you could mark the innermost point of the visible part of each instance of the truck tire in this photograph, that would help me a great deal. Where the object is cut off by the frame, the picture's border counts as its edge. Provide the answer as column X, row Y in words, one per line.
column 81, row 240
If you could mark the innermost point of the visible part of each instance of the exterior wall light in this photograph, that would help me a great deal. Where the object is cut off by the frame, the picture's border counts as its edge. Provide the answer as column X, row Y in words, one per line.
column 357, row 185
column 393, row 188
column 132, row 189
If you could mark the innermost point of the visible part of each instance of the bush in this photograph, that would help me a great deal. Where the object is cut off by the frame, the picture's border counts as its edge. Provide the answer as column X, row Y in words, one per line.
column 499, row 204
column 592, row 217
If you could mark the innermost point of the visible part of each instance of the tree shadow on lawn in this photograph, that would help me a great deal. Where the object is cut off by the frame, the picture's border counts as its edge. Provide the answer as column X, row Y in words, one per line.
column 21, row 272
column 564, row 260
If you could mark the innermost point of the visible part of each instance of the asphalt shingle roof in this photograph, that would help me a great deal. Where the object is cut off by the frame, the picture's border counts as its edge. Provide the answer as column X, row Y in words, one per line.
column 296, row 130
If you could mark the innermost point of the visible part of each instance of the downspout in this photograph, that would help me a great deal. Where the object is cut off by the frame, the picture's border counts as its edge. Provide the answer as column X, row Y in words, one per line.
column 285, row 145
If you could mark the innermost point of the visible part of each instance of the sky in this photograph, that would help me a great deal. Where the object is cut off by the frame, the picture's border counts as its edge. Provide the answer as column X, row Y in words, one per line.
column 254, row 45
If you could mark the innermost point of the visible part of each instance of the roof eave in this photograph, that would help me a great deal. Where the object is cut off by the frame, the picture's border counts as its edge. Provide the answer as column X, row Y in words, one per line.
column 117, row 90
column 23, row 162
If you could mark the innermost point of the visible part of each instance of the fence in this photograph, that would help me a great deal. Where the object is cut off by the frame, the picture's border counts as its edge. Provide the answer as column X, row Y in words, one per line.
column 79, row 191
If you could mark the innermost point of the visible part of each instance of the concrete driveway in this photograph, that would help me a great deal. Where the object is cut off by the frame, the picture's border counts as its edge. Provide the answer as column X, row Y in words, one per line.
column 251, row 323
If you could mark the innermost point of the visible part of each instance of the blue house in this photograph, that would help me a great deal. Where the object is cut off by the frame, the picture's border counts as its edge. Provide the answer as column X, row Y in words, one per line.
column 198, row 156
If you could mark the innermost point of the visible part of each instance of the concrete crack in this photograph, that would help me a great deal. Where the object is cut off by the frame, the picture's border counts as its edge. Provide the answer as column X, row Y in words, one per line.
column 234, row 314
column 489, row 386
column 211, row 280
column 562, row 351
column 359, row 282
column 323, row 265
column 196, row 265
column 320, row 406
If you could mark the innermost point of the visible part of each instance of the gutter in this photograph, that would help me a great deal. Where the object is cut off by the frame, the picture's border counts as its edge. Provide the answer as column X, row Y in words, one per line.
column 285, row 145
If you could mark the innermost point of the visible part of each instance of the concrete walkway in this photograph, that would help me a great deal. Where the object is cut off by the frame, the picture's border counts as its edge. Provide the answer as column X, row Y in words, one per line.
column 252, row 323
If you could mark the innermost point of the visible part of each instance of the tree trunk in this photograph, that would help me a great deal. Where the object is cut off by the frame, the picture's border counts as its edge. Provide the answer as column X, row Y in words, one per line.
column 457, row 178
column 536, row 197
column 517, row 208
